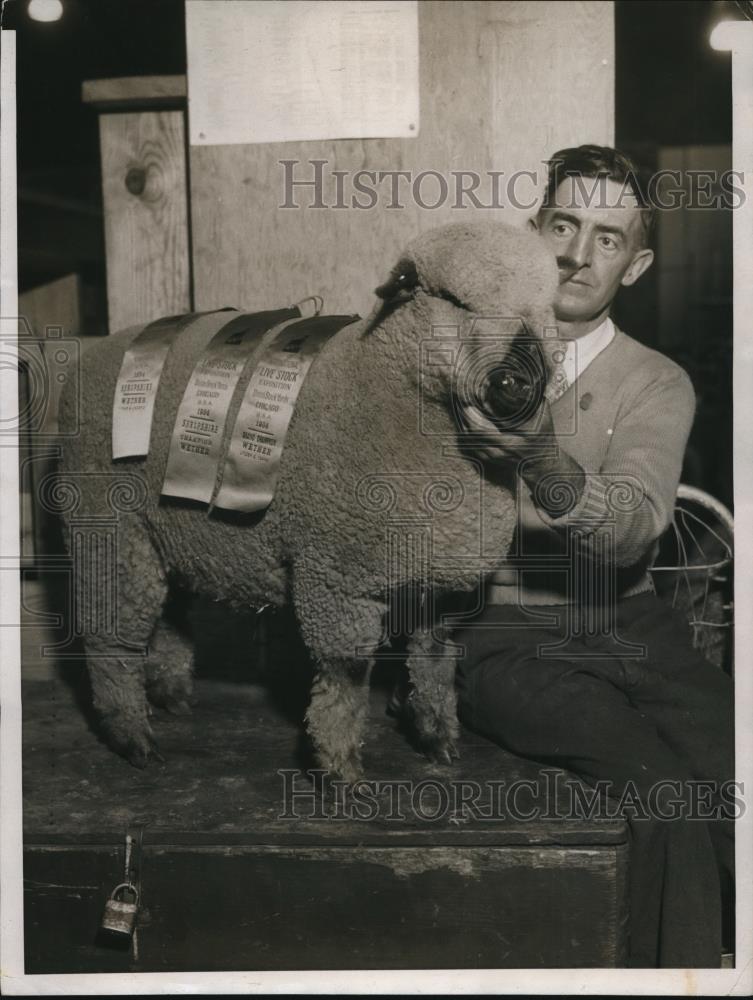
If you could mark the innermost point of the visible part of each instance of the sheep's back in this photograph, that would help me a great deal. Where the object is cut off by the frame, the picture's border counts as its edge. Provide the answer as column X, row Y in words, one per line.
column 206, row 551
column 355, row 426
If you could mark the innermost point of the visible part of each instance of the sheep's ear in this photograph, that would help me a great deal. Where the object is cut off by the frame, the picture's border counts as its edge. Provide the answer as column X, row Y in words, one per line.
column 401, row 284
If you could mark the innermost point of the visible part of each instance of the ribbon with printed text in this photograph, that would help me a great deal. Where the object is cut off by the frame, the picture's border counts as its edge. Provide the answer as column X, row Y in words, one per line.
column 196, row 444
column 253, row 460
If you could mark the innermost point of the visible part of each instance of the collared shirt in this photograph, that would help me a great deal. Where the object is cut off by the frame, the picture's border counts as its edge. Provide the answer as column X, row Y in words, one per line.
column 581, row 352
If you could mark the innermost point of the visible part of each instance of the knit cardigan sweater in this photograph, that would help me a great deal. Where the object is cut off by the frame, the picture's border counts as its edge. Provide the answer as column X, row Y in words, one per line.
column 626, row 422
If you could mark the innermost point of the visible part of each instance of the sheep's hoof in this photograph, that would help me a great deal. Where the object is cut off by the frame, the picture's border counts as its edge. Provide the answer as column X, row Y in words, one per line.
column 349, row 775
column 442, row 751
column 137, row 749
column 347, row 772
column 139, row 756
column 337, row 791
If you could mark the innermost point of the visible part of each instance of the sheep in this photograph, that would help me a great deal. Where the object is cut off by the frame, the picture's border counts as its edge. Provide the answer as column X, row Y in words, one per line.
column 373, row 444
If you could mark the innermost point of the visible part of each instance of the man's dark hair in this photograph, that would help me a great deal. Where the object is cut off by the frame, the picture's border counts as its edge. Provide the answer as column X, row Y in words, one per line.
column 601, row 161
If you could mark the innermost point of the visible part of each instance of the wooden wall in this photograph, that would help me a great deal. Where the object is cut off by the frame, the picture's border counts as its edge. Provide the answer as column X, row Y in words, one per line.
column 144, row 191
column 503, row 85
column 51, row 314
column 54, row 307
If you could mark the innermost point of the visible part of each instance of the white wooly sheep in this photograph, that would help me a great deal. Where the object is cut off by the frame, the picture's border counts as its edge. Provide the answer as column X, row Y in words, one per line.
column 373, row 444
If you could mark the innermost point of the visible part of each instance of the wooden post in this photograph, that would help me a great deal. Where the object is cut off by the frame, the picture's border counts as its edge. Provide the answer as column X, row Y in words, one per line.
column 142, row 140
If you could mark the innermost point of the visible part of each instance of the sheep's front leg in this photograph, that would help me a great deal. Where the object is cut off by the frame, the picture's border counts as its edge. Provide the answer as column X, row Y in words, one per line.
column 432, row 701
column 342, row 634
column 336, row 717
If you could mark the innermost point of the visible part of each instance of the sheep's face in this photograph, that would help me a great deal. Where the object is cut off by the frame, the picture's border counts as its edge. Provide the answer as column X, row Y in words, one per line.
column 478, row 298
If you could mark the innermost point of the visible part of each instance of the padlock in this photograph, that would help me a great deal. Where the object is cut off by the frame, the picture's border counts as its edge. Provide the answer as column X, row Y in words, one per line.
column 120, row 914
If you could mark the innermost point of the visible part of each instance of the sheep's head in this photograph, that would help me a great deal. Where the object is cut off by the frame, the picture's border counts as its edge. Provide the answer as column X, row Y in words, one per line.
column 488, row 288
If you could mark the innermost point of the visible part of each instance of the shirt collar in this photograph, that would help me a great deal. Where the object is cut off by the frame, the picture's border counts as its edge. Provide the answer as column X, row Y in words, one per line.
column 581, row 352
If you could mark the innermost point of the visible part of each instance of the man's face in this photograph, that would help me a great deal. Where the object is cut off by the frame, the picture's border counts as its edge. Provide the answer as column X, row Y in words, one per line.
column 594, row 228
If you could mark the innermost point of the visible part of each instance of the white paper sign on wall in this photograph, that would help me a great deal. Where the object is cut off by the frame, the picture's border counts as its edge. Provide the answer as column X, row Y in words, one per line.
column 263, row 71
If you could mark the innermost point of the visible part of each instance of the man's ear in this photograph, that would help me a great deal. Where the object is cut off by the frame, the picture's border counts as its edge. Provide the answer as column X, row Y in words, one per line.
column 640, row 263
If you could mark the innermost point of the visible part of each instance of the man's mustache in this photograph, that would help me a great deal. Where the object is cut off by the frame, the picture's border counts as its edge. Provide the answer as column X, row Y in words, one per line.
column 567, row 268
column 567, row 264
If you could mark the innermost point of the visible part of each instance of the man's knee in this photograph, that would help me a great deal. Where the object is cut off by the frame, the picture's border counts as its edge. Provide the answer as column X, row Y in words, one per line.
column 531, row 706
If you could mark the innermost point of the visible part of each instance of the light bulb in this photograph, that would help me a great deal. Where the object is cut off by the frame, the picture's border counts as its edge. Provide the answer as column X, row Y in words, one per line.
column 723, row 36
column 45, row 10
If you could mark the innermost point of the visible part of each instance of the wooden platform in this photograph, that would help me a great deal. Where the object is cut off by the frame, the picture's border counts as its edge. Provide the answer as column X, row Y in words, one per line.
column 238, row 874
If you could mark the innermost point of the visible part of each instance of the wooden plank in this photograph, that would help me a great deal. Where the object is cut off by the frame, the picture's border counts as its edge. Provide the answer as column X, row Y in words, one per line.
column 489, row 102
column 146, row 227
column 222, row 779
column 387, row 907
column 133, row 92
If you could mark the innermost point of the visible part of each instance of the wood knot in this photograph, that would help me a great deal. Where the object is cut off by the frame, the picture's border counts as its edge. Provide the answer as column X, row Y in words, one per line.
column 135, row 180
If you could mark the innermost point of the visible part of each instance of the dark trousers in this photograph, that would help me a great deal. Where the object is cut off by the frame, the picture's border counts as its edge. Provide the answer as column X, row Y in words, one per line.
column 664, row 717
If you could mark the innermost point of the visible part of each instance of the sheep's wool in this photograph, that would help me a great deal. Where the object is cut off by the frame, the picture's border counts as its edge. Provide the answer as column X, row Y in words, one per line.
column 377, row 499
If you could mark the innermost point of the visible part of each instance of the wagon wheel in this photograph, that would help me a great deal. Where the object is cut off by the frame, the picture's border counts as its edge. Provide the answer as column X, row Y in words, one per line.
column 694, row 571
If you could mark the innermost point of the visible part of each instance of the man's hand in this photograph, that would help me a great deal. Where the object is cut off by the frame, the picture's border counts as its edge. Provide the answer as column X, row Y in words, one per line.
column 532, row 448
column 534, row 437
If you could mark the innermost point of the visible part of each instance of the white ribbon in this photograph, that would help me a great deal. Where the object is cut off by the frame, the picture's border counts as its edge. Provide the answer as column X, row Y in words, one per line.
column 136, row 388
column 253, row 459
column 196, row 445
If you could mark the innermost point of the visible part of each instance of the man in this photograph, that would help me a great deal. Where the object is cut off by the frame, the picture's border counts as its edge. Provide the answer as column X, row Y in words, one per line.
column 613, row 691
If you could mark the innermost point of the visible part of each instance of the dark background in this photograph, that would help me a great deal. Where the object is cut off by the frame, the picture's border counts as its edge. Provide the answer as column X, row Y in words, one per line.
column 672, row 89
